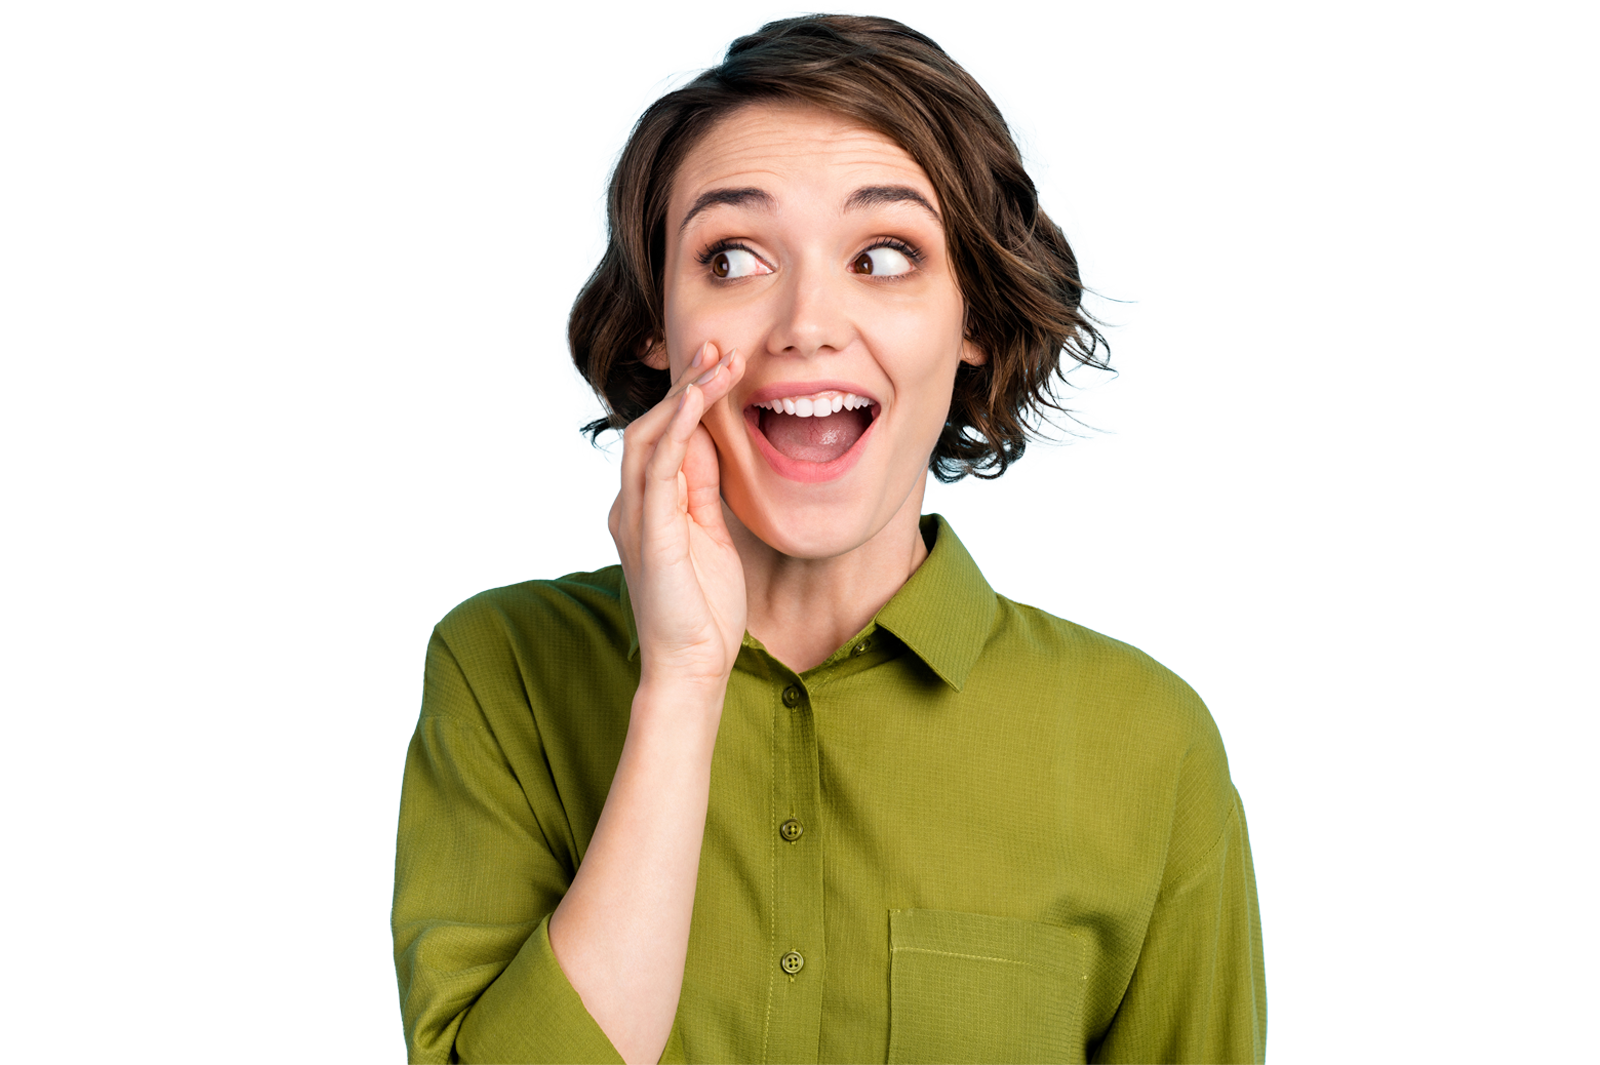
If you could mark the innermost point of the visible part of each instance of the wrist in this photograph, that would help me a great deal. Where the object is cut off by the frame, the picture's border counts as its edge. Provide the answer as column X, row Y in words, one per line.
column 683, row 678
column 685, row 699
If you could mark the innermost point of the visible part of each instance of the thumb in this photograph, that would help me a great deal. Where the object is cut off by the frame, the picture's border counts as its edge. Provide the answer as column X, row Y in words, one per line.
column 704, row 476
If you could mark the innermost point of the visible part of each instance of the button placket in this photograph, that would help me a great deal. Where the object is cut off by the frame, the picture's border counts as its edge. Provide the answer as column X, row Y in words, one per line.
column 797, row 929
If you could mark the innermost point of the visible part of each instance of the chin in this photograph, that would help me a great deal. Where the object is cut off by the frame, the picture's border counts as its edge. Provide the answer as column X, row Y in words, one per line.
column 815, row 521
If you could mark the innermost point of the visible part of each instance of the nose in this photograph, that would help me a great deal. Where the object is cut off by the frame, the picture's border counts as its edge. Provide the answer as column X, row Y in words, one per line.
column 810, row 315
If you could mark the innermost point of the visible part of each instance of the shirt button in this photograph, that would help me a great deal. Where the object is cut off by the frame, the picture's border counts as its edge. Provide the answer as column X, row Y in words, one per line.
column 792, row 962
column 791, row 830
column 791, row 697
column 861, row 648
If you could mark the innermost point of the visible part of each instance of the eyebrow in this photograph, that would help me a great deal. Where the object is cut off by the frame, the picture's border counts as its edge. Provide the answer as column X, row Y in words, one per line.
column 866, row 196
column 875, row 195
column 750, row 197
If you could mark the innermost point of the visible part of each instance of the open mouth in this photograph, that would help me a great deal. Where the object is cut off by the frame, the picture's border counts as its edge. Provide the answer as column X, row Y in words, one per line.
column 811, row 437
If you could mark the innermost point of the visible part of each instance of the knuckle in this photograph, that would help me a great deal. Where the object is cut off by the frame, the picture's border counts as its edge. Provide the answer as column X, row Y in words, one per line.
column 654, row 465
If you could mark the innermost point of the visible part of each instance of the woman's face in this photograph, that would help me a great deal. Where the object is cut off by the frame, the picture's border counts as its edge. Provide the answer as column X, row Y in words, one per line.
column 814, row 247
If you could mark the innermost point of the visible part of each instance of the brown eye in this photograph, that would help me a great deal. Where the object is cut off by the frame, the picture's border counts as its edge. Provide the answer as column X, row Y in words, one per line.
column 732, row 264
column 883, row 261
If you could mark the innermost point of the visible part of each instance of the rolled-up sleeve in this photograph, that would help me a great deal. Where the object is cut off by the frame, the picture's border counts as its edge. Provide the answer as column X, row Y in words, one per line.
column 1198, row 992
column 475, row 883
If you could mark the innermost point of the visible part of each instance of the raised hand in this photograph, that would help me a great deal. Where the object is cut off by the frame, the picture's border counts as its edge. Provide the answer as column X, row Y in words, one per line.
column 621, row 932
column 684, row 575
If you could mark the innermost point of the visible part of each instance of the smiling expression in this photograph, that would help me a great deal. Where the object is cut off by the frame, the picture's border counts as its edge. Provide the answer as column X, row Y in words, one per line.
column 814, row 246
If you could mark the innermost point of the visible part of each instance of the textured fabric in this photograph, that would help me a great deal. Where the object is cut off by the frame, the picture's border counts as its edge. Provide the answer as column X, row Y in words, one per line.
column 1017, row 840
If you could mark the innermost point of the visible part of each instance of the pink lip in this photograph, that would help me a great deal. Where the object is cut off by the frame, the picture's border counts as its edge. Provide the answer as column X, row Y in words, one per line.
column 794, row 469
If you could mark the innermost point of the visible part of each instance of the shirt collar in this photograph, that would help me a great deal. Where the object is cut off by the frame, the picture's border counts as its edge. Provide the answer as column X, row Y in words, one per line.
column 943, row 613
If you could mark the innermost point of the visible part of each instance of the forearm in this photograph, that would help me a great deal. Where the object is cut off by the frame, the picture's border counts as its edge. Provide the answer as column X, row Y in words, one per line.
column 621, row 932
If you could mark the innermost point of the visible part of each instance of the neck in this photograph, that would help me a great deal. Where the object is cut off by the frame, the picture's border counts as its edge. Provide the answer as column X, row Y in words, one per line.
column 804, row 609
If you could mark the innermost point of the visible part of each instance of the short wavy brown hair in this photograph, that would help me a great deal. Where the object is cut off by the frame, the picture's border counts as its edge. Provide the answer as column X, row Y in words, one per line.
column 1015, row 269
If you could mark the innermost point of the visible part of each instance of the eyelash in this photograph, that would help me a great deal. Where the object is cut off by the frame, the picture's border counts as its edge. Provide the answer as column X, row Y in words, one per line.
column 893, row 243
column 705, row 257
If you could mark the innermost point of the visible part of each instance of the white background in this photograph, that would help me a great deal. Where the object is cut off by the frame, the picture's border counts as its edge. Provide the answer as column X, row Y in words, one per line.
column 282, row 303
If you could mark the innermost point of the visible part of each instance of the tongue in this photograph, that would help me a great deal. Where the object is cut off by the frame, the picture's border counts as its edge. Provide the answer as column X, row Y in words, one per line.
column 814, row 439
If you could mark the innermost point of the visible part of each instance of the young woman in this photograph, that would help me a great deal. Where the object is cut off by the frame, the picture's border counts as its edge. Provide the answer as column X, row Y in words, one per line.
column 792, row 783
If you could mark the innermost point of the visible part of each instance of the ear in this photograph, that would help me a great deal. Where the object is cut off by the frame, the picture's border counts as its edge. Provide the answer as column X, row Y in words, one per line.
column 972, row 354
column 655, row 355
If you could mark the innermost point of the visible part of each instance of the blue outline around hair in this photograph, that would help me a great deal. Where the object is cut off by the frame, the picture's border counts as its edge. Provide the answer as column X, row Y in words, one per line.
column 1106, row 304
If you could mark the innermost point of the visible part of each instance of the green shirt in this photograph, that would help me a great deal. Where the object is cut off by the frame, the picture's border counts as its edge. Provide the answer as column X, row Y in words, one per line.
column 975, row 833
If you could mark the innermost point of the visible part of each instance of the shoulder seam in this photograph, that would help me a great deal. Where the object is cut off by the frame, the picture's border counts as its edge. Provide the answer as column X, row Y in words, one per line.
column 1172, row 881
column 481, row 728
column 454, row 720
column 455, row 660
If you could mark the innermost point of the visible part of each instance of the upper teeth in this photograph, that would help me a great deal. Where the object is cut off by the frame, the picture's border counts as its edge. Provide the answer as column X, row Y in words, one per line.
column 818, row 406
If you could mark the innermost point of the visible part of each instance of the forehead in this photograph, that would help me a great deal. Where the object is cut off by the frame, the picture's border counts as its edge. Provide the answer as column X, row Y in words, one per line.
column 801, row 150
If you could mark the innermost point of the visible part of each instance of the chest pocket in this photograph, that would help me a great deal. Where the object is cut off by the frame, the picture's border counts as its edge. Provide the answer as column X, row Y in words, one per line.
column 967, row 987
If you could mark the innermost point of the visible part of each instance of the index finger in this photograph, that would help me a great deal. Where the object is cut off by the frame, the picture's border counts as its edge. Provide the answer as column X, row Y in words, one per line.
column 699, row 371
column 714, row 374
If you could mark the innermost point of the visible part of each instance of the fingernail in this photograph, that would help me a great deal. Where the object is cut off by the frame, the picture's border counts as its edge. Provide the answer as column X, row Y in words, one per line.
column 699, row 357
column 708, row 375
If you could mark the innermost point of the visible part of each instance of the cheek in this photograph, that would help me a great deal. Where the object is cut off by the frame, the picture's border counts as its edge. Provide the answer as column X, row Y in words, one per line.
column 726, row 427
column 685, row 321
column 920, row 353
column 690, row 323
column 678, row 331
column 927, row 326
